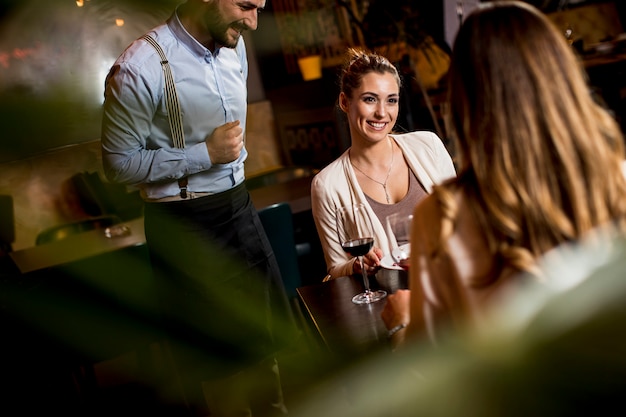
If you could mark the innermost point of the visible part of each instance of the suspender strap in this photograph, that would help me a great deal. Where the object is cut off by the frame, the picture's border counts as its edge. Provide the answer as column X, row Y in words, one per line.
column 173, row 106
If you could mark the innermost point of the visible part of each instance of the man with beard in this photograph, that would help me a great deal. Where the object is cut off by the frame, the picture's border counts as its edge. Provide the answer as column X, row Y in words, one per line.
column 173, row 126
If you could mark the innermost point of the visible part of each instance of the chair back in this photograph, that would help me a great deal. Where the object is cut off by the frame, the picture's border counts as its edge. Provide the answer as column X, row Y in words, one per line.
column 277, row 221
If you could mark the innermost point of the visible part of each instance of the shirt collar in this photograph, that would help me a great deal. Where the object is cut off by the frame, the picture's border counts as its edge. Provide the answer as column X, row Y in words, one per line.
column 186, row 39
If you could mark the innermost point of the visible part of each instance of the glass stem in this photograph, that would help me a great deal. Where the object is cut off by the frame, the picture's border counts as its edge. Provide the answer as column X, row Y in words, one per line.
column 366, row 281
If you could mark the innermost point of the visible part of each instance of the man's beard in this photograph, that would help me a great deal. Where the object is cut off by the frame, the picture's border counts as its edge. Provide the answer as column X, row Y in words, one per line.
column 218, row 28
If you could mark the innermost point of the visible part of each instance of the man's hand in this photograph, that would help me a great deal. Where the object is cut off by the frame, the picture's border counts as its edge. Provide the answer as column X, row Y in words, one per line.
column 225, row 143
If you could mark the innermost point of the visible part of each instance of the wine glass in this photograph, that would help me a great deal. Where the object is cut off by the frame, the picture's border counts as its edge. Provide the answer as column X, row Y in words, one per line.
column 354, row 229
column 399, row 234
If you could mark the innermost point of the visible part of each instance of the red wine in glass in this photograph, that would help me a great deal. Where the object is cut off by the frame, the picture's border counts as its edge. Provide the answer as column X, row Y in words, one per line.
column 358, row 247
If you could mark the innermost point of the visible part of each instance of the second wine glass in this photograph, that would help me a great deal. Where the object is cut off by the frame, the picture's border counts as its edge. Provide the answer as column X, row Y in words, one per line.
column 355, row 232
column 399, row 234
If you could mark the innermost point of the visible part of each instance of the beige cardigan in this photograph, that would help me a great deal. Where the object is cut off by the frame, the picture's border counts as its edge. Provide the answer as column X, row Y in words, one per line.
column 336, row 185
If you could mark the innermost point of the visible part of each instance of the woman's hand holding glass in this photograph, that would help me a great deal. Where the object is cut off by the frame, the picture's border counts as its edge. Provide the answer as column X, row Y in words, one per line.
column 355, row 234
column 371, row 262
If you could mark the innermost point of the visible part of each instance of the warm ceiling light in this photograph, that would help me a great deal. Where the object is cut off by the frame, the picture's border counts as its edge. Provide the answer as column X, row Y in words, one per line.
column 119, row 22
column 80, row 3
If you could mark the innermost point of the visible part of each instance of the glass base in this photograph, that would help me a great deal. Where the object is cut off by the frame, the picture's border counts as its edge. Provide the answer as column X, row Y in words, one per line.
column 368, row 297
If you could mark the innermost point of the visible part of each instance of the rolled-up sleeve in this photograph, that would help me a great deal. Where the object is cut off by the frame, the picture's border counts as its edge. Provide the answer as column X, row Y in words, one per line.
column 129, row 119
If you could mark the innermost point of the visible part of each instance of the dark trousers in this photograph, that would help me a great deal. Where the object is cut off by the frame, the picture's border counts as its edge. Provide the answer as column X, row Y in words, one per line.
column 223, row 302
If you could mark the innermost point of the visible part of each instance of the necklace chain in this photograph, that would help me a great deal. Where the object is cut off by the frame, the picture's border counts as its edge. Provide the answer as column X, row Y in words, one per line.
column 384, row 184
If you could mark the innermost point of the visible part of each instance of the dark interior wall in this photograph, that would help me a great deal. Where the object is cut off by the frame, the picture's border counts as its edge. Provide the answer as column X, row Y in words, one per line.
column 268, row 49
column 549, row 6
column 621, row 10
column 53, row 60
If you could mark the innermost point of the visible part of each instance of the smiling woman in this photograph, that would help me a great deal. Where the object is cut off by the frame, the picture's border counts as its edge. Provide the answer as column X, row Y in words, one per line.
column 384, row 171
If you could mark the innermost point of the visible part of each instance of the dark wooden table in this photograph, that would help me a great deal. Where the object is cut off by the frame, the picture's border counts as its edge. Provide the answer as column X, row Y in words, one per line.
column 347, row 328
column 77, row 247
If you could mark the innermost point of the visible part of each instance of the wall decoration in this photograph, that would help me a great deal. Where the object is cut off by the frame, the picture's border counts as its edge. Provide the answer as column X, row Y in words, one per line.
column 311, row 27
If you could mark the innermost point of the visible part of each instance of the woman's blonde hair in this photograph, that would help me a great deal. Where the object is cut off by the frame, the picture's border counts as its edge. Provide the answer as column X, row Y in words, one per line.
column 539, row 160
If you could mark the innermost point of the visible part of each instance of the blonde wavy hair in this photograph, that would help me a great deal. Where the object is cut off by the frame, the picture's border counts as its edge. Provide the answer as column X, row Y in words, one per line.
column 539, row 160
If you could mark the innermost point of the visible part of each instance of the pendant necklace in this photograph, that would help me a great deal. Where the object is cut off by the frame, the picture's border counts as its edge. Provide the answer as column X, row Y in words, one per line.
column 384, row 184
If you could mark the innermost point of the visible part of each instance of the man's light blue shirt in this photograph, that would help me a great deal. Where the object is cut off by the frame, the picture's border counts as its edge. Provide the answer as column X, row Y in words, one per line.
column 137, row 143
